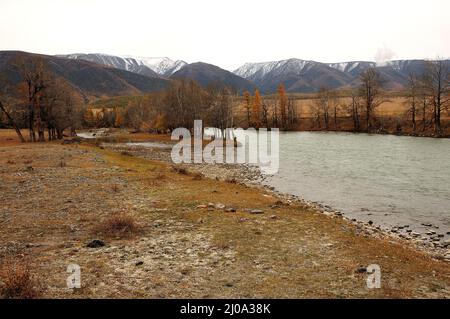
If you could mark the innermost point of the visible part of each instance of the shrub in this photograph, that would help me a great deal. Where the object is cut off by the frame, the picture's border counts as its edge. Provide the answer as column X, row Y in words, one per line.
column 118, row 225
column 17, row 281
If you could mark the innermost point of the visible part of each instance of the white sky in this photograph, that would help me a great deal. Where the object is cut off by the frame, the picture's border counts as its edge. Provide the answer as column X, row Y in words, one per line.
column 230, row 33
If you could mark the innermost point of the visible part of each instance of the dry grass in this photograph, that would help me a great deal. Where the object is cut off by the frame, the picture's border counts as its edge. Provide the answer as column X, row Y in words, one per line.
column 197, row 177
column 180, row 170
column 18, row 282
column 231, row 180
column 119, row 225
column 221, row 242
column 299, row 254
column 160, row 176
column 115, row 188
column 125, row 153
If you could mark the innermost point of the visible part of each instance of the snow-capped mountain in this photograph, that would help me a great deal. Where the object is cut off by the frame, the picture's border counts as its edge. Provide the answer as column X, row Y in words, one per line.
column 296, row 74
column 153, row 67
column 353, row 67
column 255, row 71
column 162, row 66
column 307, row 76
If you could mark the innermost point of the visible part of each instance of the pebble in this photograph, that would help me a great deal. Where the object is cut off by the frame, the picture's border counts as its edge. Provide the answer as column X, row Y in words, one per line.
column 256, row 211
column 230, row 210
column 219, row 206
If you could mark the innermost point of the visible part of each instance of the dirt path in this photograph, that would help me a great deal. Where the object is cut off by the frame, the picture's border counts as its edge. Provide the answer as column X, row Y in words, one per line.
column 53, row 197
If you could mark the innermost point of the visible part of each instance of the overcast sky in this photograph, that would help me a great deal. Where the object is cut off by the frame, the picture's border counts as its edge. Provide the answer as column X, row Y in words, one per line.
column 230, row 33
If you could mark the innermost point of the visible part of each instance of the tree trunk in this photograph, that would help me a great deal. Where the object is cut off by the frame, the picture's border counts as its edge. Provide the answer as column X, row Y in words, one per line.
column 16, row 128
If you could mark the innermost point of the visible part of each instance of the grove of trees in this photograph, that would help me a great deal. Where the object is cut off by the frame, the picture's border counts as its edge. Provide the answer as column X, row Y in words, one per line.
column 46, row 103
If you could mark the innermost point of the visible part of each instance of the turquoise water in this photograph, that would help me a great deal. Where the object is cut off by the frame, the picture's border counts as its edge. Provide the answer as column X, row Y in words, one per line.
column 391, row 180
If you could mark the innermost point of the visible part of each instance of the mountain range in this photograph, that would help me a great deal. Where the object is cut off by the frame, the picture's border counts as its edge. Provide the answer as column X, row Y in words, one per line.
column 91, row 80
column 308, row 76
column 102, row 75
column 153, row 67
column 298, row 76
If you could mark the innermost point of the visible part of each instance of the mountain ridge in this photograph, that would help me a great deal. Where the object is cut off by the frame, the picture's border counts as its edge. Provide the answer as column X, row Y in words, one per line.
column 148, row 66
column 89, row 79
column 308, row 76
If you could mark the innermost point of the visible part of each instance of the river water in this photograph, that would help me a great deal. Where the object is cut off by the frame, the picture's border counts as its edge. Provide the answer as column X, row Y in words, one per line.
column 391, row 180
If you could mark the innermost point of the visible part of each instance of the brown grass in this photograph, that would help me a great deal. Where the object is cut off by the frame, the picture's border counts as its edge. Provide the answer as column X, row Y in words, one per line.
column 125, row 153
column 197, row 177
column 115, row 188
column 160, row 175
column 231, row 180
column 119, row 225
column 286, row 257
column 18, row 282
column 180, row 170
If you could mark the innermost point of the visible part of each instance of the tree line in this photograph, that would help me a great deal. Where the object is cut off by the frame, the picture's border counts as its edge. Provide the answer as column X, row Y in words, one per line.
column 49, row 104
column 270, row 113
column 178, row 106
column 427, row 97
column 46, row 102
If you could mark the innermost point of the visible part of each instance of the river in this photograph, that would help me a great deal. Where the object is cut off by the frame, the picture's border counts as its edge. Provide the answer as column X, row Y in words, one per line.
column 391, row 180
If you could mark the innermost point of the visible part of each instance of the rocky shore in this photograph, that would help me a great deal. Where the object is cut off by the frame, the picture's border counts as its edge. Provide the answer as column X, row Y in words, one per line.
column 431, row 241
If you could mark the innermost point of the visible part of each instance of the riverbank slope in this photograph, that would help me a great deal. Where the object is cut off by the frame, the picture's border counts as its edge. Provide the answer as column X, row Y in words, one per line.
column 56, row 197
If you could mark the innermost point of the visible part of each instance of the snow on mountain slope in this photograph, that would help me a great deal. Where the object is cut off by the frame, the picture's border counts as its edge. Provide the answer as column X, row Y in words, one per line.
column 352, row 66
column 255, row 71
column 142, row 65
column 162, row 65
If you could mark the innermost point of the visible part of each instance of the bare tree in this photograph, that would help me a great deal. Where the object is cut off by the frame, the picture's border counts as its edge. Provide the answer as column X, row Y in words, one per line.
column 322, row 105
column 354, row 109
column 291, row 113
column 12, row 122
column 35, row 75
column 265, row 114
column 370, row 91
column 436, row 83
column 413, row 98
column 248, row 103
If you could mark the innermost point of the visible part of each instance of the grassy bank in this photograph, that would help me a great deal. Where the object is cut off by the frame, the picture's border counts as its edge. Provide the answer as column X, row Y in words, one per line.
column 56, row 199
